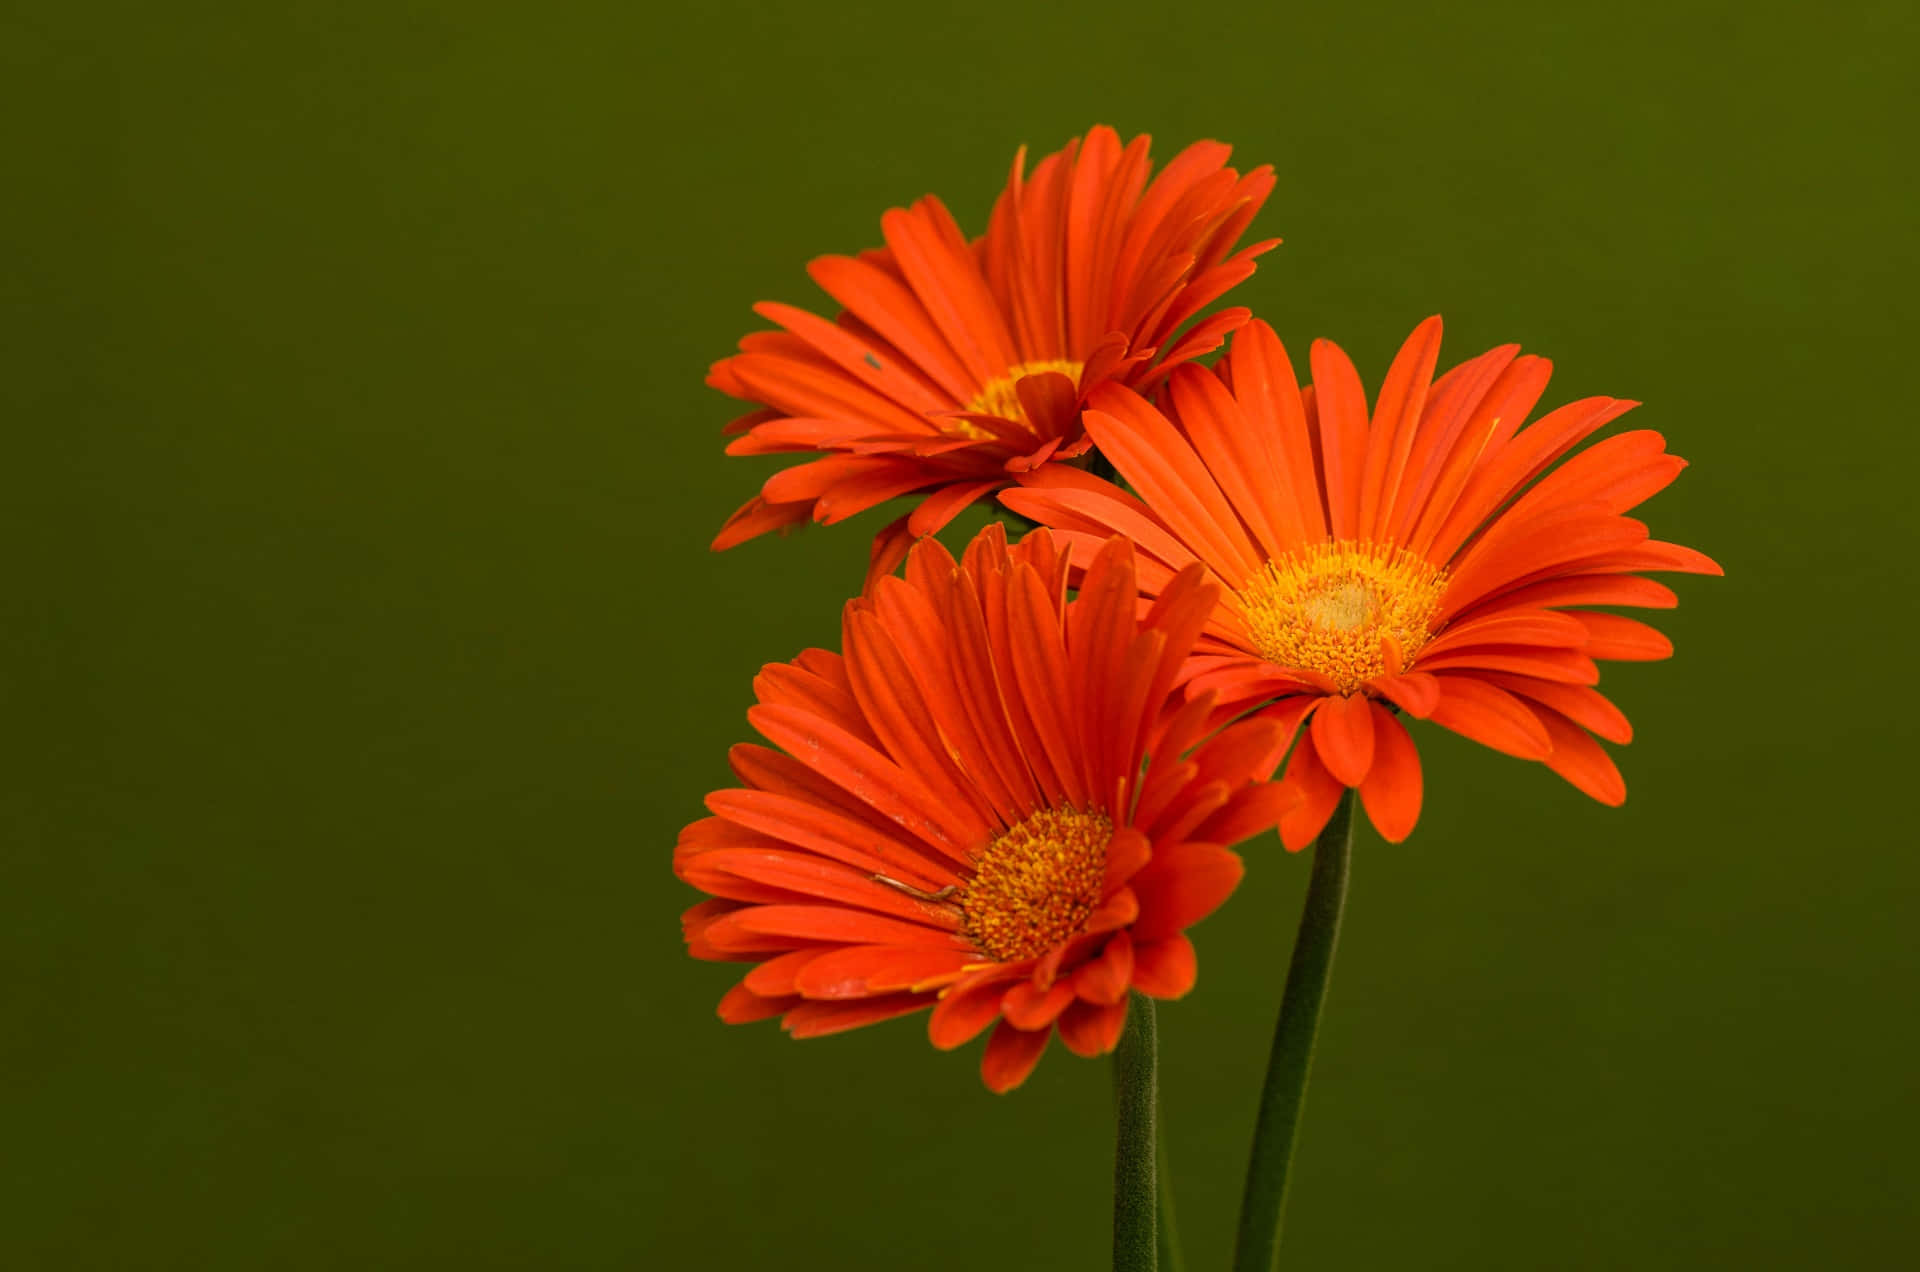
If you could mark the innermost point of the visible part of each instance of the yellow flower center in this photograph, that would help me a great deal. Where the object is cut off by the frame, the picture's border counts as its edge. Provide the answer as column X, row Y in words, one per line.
column 1035, row 884
column 1331, row 608
column 999, row 397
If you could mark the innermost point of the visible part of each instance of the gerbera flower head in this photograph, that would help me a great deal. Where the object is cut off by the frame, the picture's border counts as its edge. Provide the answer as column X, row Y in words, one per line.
column 953, row 365
column 1434, row 557
column 982, row 807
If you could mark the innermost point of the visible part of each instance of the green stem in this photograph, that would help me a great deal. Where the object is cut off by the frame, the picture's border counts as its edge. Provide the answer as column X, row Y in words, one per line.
column 1264, row 1203
column 1135, row 1166
column 1171, row 1260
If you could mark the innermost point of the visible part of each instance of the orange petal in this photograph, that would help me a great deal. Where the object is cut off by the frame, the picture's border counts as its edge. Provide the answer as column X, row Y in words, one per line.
column 694, row 924
column 1010, row 1056
column 964, row 1011
column 1253, row 811
column 862, row 971
column 889, row 550
column 1048, row 398
column 1159, row 463
column 1067, row 497
column 1198, row 801
column 759, row 516
column 1492, row 717
column 807, row 824
column 1396, row 417
column 1508, row 625
column 1116, row 912
column 875, row 779
column 895, row 705
column 854, row 495
column 1585, row 707
column 1039, row 664
column 774, row 978
column 1591, row 589
column 1342, row 406
column 786, row 875
column 816, row 1020
column 942, row 506
column 741, row 1005
column 1105, row 979
column 1046, row 967
column 1512, row 467
column 1392, row 791
column 1414, row 692
column 1026, row 1006
column 1657, row 556
column 1582, row 761
column 1343, row 734
column 933, row 256
column 1461, row 418
column 1093, row 1029
column 1182, row 885
column 1318, row 791
column 1127, row 852
column 825, row 923
column 1165, row 969
column 884, row 303
column 1246, row 752
column 1622, row 639
column 828, row 696
column 1239, row 458
column 1268, row 392
column 1569, row 666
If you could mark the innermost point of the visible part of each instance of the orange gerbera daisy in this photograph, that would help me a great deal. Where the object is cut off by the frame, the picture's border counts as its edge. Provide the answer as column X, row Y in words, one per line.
column 981, row 808
column 1405, row 563
column 953, row 365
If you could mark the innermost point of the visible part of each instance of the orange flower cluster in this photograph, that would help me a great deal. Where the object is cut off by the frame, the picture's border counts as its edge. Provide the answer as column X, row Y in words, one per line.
column 1018, row 783
column 956, row 365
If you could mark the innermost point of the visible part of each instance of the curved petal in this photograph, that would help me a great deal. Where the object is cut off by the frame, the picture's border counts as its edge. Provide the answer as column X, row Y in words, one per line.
column 818, row 1019
column 964, row 1010
column 1492, row 717
column 1027, row 1006
column 1621, row 639
column 1182, row 885
column 1414, row 692
column 1582, row 761
column 825, row 923
column 1391, row 794
column 1585, row 707
column 1011, row 1055
column 1343, row 735
column 1254, row 811
column 741, row 1006
column 1093, row 1029
column 889, row 549
column 1316, row 791
column 1105, row 978
column 861, row 971
column 1165, row 968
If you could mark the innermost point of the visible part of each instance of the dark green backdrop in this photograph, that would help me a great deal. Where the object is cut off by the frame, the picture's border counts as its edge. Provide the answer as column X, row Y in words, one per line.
column 363, row 653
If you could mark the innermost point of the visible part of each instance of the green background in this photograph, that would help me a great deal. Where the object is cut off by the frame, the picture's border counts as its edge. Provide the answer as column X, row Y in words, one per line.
column 363, row 652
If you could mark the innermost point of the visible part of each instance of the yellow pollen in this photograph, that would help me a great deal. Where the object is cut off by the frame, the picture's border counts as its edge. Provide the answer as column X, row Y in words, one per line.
column 1036, row 883
column 1000, row 399
column 1331, row 608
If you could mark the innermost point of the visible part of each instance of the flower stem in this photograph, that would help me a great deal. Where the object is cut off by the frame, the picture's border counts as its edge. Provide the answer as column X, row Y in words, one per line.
column 1135, row 1163
column 1263, row 1204
column 1168, row 1232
